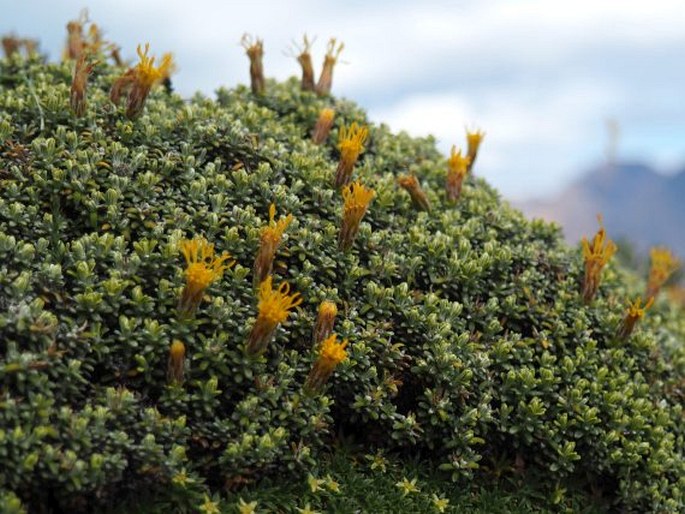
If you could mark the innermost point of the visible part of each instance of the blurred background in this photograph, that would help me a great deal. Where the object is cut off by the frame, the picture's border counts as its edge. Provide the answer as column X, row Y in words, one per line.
column 583, row 102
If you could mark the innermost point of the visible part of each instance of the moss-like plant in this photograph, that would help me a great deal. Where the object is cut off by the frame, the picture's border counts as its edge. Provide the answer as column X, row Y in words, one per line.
column 468, row 337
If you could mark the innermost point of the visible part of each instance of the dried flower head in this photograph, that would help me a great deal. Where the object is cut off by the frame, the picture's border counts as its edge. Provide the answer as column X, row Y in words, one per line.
column 79, row 82
column 351, row 141
column 325, row 320
column 473, row 139
column 418, row 196
column 304, row 57
column 11, row 45
column 270, row 241
column 75, row 38
column 663, row 264
column 457, row 169
column 254, row 48
column 202, row 268
column 635, row 312
column 323, row 125
column 323, row 87
column 357, row 199
column 274, row 307
column 143, row 77
column 596, row 256
column 331, row 353
column 176, row 364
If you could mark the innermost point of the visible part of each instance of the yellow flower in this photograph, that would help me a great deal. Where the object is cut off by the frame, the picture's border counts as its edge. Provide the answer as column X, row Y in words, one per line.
column 407, row 486
column 351, row 141
column 439, row 502
column 315, row 484
column 324, row 321
column 418, row 196
column 330, row 355
column 473, row 139
column 254, row 48
column 323, row 87
column 274, row 307
column 663, row 264
column 596, row 255
column 247, row 508
column 457, row 168
column 357, row 199
column 331, row 484
column 140, row 79
column 202, row 268
column 176, row 364
column 323, row 125
column 271, row 236
column 209, row 506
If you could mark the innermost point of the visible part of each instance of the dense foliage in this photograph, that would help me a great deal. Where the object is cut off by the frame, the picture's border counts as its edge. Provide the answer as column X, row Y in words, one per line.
column 469, row 339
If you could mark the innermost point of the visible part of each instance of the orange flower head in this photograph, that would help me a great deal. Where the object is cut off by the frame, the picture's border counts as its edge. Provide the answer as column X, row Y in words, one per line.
column 418, row 196
column 473, row 139
column 596, row 254
column 331, row 353
column 351, row 141
column 663, row 264
column 634, row 313
column 275, row 304
column 323, row 125
column 457, row 168
column 357, row 199
column 324, row 321
column 202, row 268
column 271, row 236
column 176, row 364
column 146, row 73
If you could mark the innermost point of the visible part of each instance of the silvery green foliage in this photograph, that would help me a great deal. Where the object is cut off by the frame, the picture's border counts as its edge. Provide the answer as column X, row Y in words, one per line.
column 468, row 338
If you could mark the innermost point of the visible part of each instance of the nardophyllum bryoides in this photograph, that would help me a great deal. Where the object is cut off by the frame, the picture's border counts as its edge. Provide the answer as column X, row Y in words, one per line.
column 418, row 196
column 351, row 141
column 203, row 267
column 254, row 48
column 79, row 83
column 323, row 125
column 473, row 139
column 176, row 363
column 274, row 306
column 323, row 87
column 139, row 80
column 662, row 265
column 457, row 169
column 357, row 198
column 596, row 255
column 305, row 59
column 324, row 321
column 330, row 354
column 270, row 240
column 634, row 313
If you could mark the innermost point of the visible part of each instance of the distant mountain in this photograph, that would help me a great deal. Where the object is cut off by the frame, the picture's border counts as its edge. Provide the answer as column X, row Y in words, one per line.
column 638, row 204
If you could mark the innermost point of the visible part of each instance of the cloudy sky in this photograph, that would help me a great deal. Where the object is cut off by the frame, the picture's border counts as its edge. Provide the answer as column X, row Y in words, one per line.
column 541, row 77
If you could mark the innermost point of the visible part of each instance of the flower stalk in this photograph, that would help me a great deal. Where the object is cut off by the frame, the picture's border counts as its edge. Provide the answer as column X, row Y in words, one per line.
column 596, row 255
column 271, row 236
column 356, row 202
column 254, row 48
column 351, row 141
column 203, row 268
column 418, row 196
column 331, row 353
column 274, row 307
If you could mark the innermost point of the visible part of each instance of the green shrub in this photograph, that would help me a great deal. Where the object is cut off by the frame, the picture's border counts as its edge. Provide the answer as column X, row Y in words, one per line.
column 469, row 340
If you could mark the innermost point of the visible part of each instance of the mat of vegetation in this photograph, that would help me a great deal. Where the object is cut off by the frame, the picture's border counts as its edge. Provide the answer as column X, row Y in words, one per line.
column 469, row 340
